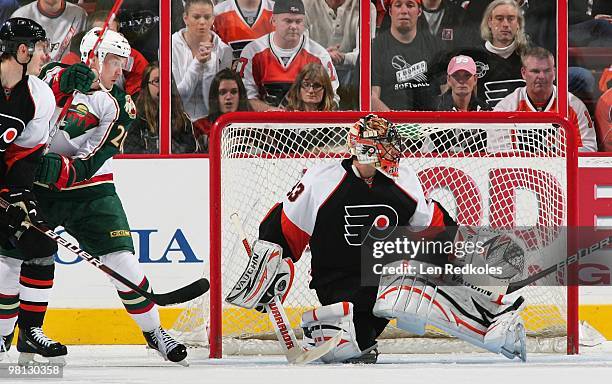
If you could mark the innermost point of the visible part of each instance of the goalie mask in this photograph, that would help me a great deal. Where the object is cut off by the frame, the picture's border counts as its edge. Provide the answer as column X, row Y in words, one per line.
column 375, row 140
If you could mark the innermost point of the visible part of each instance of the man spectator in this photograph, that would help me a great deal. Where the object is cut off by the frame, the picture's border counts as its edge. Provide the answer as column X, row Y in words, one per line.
column 461, row 96
column 270, row 63
column 540, row 95
column 335, row 25
column 60, row 19
column 445, row 20
column 498, row 62
column 405, row 62
column 238, row 22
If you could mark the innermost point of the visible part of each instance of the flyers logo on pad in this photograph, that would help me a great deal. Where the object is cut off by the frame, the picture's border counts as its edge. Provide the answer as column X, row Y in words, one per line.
column 10, row 128
column 376, row 221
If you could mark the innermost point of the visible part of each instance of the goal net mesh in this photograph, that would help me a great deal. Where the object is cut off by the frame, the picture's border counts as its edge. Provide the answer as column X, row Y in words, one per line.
column 497, row 175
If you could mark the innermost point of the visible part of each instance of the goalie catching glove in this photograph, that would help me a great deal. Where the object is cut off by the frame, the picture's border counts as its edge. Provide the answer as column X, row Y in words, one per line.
column 266, row 275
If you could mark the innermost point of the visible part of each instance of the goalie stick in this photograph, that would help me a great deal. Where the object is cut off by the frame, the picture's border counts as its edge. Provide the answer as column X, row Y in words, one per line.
column 286, row 337
column 181, row 295
column 513, row 287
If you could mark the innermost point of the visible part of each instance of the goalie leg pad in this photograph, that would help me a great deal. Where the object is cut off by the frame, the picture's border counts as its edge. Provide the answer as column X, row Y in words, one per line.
column 415, row 300
column 266, row 275
column 323, row 323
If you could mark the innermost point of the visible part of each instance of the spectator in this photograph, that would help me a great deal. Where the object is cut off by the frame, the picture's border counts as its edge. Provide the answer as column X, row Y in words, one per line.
column 139, row 22
column 540, row 95
column 269, row 64
column 60, row 19
column 311, row 91
column 603, row 113
column 136, row 64
column 143, row 135
column 445, row 20
column 590, row 23
column 227, row 94
column 498, row 62
column 7, row 7
column 335, row 24
column 461, row 96
column 462, row 80
column 405, row 62
column 541, row 26
column 197, row 55
column 238, row 22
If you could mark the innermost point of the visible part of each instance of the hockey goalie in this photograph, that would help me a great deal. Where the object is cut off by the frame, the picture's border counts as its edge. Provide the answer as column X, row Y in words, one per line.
column 372, row 186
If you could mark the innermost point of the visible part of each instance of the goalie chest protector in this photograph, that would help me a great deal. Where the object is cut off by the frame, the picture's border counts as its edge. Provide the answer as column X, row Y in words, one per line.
column 336, row 213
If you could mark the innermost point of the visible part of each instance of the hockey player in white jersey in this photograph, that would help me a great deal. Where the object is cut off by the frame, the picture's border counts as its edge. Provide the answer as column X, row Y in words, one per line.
column 75, row 179
column 26, row 256
column 372, row 190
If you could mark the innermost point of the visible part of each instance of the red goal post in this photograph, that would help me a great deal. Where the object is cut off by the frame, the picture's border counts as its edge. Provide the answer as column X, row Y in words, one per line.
column 564, row 159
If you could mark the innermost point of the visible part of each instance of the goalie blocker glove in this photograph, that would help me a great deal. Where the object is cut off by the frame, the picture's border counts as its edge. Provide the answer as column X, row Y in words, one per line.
column 266, row 275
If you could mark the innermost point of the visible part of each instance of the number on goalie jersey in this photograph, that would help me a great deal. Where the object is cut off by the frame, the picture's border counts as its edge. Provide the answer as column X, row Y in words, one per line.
column 316, row 212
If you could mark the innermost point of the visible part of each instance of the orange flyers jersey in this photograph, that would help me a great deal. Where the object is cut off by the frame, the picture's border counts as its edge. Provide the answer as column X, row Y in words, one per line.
column 577, row 113
column 267, row 77
column 234, row 28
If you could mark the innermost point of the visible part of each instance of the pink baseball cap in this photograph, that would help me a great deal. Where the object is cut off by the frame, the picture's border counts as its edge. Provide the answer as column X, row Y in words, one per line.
column 461, row 63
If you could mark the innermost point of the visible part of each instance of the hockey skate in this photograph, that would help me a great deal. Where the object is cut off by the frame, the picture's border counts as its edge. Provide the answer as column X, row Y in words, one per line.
column 5, row 344
column 168, row 348
column 32, row 341
column 369, row 356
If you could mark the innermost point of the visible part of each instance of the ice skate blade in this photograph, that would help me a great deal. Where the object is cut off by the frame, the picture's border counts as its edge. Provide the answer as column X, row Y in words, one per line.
column 153, row 351
column 26, row 359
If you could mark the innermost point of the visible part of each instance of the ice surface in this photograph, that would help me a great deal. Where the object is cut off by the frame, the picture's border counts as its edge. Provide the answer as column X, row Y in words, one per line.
column 135, row 364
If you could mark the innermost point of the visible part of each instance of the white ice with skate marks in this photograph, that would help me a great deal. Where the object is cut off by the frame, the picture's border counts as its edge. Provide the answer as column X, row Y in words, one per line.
column 134, row 364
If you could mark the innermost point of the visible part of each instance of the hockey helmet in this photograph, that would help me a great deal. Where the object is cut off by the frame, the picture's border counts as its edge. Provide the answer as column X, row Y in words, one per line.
column 17, row 31
column 112, row 42
column 375, row 140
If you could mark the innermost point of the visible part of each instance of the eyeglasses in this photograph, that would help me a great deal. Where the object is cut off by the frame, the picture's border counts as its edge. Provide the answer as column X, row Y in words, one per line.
column 154, row 82
column 308, row 85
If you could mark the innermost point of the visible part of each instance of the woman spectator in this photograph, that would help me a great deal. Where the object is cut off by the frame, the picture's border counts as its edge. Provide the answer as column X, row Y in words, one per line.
column 197, row 55
column 143, row 135
column 311, row 91
column 227, row 94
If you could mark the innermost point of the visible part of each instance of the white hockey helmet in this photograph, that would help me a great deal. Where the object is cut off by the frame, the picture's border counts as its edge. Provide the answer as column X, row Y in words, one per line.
column 113, row 42
column 375, row 140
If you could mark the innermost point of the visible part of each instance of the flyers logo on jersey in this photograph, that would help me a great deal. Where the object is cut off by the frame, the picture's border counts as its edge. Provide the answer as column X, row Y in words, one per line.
column 362, row 221
column 10, row 128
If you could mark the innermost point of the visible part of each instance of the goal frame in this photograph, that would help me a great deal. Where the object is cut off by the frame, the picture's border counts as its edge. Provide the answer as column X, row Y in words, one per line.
column 215, row 263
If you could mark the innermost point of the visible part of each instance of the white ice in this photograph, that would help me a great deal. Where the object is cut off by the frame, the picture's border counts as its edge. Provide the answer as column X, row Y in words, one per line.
column 134, row 364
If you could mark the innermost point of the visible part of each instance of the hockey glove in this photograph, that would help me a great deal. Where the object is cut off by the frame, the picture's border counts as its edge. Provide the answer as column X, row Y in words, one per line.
column 21, row 211
column 76, row 77
column 57, row 171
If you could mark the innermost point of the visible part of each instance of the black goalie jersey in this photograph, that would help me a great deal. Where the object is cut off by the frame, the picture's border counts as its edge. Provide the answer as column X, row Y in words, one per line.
column 335, row 212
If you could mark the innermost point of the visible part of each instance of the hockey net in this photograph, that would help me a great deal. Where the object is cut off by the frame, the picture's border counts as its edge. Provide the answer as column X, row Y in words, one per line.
column 492, row 174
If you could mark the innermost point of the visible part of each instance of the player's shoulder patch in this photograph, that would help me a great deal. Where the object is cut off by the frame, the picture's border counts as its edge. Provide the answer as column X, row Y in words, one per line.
column 50, row 69
column 127, row 107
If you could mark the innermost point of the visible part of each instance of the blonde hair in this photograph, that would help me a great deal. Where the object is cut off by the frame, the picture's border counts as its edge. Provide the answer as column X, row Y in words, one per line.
column 313, row 72
column 485, row 31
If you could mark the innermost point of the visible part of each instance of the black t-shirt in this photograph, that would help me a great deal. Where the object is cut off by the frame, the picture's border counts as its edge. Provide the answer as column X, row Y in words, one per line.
column 497, row 77
column 408, row 74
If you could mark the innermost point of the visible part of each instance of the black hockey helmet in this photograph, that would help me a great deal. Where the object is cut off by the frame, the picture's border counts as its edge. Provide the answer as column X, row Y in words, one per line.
column 17, row 31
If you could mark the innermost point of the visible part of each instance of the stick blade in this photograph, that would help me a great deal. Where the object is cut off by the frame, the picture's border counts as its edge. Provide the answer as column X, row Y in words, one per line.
column 311, row 355
column 186, row 293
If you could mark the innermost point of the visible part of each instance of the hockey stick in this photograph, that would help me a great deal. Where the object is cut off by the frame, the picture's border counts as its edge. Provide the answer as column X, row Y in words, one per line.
column 109, row 18
column 513, row 287
column 181, row 295
column 286, row 337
